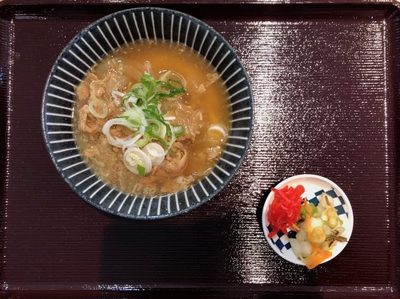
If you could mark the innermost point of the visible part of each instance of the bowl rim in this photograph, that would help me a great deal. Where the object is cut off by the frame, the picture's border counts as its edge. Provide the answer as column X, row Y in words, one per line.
column 288, row 181
column 106, row 210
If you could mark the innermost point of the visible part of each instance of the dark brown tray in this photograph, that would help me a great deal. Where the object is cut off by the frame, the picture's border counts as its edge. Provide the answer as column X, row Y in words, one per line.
column 326, row 93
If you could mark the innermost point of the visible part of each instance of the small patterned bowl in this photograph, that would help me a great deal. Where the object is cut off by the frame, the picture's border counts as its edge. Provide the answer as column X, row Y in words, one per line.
column 97, row 41
column 314, row 186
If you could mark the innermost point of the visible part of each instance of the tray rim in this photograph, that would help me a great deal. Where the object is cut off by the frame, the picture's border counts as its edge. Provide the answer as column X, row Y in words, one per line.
column 388, row 289
column 189, row 2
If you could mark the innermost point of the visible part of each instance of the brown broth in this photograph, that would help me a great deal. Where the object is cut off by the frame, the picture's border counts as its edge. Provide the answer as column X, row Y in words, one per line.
column 212, row 102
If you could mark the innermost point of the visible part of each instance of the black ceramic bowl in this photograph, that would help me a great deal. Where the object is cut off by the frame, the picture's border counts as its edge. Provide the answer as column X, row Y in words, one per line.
column 97, row 41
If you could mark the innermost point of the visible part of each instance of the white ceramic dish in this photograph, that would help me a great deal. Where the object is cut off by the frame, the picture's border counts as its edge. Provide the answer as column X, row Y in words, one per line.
column 314, row 186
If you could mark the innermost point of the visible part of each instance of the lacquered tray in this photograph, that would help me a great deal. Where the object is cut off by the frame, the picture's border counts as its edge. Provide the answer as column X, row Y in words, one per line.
column 326, row 93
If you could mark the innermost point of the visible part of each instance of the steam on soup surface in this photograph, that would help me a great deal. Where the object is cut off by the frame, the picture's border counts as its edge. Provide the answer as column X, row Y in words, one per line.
column 152, row 118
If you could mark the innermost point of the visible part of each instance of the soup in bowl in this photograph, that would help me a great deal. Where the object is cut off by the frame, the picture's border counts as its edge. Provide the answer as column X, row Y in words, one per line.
column 147, row 113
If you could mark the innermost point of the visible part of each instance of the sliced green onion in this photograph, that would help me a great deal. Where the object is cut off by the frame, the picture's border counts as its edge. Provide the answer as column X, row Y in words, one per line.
column 164, row 76
column 178, row 131
column 155, row 152
column 134, row 157
column 128, row 142
column 118, row 142
column 173, row 138
column 117, row 96
column 150, row 131
column 135, row 115
column 158, row 128
column 132, row 99
column 144, row 140
column 94, row 106
column 141, row 170
column 173, row 76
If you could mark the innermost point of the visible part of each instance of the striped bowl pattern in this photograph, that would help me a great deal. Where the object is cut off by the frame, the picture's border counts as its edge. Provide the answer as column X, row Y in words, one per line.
column 97, row 41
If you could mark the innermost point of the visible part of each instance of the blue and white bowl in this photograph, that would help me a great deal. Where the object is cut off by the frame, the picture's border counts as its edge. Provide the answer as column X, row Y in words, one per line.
column 102, row 38
column 314, row 186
